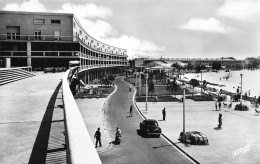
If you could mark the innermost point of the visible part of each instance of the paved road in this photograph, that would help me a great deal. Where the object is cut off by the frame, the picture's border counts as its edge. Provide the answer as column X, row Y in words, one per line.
column 134, row 148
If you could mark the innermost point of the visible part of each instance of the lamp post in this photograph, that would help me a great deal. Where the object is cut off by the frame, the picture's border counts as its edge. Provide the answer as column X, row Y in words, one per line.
column 241, row 75
column 130, row 71
column 183, row 86
column 140, row 83
column 201, row 83
column 146, row 89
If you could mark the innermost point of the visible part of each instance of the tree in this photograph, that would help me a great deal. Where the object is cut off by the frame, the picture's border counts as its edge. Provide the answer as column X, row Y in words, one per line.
column 151, row 88
column 216, row 65
column 194, row 83
column 189, row 66
column 177, row 66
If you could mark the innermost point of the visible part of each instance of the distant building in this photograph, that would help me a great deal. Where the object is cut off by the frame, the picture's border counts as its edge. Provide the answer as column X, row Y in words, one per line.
column 194, row 61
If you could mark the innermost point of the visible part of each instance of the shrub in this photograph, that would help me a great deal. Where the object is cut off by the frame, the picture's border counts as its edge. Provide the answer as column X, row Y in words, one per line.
column 244, row 107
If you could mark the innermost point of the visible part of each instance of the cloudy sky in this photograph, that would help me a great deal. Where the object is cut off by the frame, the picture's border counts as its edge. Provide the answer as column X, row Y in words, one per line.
column 167, row 28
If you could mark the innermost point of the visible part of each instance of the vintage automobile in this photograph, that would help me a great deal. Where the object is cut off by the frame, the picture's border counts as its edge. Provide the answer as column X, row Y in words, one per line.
column 150, row 127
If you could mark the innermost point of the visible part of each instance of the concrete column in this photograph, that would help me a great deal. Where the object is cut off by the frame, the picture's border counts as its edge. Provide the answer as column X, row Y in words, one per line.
column 29, row 54
column 7, row 62
column 88, row 77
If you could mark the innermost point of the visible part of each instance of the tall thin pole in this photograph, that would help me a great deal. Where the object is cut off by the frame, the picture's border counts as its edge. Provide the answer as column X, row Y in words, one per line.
column 146, row 98
column 183, row 132
column 201, row 84
column 140, row 84
column 241, row 91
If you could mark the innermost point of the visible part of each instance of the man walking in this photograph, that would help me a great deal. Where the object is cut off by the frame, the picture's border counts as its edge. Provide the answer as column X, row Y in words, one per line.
column 216, row 105
column 220, row 121
column 164, row 114
column 98, row 137
column 131, row 111
column 219, row 105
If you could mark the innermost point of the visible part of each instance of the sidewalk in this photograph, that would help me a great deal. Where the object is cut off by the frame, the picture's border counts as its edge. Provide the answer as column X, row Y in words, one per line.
column 92, row 111
column 237, row 142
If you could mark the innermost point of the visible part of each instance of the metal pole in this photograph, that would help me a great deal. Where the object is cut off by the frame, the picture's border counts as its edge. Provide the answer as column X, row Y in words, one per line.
column 201, row 84
column 146, row 93
column 140, row 84
column 241, row 91
column 183, row 136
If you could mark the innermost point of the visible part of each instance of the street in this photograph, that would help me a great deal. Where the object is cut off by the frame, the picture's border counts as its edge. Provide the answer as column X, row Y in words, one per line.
column 134, row 148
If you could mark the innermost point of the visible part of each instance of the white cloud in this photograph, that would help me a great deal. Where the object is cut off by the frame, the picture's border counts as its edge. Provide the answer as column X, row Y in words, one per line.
column 136, row 47
column 207, row 25
column 240, row 9
column 98, row 29
column 88, row 16
column 31, row 5
column 88, row 10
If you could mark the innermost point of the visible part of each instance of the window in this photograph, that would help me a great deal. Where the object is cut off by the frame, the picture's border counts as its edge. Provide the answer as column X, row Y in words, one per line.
column 91, row 41
column 13, row 32
column 86, row 37
column 55, row 21
column 57, row 35
column 39, row 21
column 37, row 35
column 74, row 24
column 80, row 32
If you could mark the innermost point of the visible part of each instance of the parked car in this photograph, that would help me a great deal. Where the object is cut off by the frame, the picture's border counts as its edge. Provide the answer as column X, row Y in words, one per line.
column 150, row 127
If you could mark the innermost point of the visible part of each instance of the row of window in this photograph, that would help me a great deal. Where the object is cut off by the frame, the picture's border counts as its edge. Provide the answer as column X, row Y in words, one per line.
column 42, row 21
column 37, row 35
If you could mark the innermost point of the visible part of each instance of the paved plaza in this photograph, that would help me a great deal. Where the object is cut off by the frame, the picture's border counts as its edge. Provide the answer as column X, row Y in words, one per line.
column 237, row 142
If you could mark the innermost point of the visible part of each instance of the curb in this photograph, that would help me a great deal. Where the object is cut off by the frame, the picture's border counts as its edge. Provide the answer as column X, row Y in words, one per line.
column 104, row 125
column 165, row 137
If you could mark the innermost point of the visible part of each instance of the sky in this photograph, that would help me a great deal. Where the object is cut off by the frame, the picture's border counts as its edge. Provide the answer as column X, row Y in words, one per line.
column 163, row 28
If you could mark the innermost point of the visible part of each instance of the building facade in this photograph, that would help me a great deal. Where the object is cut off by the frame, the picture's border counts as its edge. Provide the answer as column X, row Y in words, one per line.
column 45, row 40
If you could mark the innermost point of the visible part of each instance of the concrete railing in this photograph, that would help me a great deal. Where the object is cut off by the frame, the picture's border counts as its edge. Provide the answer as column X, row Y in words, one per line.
column 80, row 148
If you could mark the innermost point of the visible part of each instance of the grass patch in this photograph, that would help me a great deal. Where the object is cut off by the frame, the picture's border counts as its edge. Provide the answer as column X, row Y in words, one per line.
column 200, row 98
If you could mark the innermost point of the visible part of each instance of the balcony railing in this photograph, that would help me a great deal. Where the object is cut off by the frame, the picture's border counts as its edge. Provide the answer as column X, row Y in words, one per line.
column 38, row 38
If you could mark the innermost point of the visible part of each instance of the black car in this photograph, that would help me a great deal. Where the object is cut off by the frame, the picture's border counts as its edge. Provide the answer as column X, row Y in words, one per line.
column 150, row 127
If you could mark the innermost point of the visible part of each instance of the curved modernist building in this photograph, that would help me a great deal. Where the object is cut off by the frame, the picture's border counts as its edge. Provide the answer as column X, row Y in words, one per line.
column 45, row 40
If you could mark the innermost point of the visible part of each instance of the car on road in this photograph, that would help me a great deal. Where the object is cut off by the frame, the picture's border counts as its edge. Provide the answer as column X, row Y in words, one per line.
column 150, row 127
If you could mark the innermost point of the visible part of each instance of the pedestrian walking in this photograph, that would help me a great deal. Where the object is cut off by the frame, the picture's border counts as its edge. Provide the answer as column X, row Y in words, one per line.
column 216, row 105
column 155, row 99
column 245, row 95
column 131, row 111
column 164, row 114
column 219, row 105
column 249, row 93
column 220, row 121
column 98, row 137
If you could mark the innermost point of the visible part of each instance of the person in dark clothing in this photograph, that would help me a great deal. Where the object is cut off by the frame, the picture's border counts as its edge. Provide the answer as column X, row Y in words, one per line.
column 131, row 111
column 98, row 137
column 220, row 121
column 164, row 114
column 219, row 105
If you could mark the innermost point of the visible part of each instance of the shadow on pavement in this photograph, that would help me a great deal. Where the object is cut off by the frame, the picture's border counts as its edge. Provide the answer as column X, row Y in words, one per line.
column 156, row 147
column 40, row 148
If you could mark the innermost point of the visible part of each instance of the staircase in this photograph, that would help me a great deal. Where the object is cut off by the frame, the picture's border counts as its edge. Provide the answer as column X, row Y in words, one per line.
column 8, row 75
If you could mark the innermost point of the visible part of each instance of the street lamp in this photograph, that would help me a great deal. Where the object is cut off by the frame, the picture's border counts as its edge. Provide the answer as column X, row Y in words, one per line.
column 146, row 91
column 130, row 71
column 183, row 86
column 201, row 83
column 241, row 75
